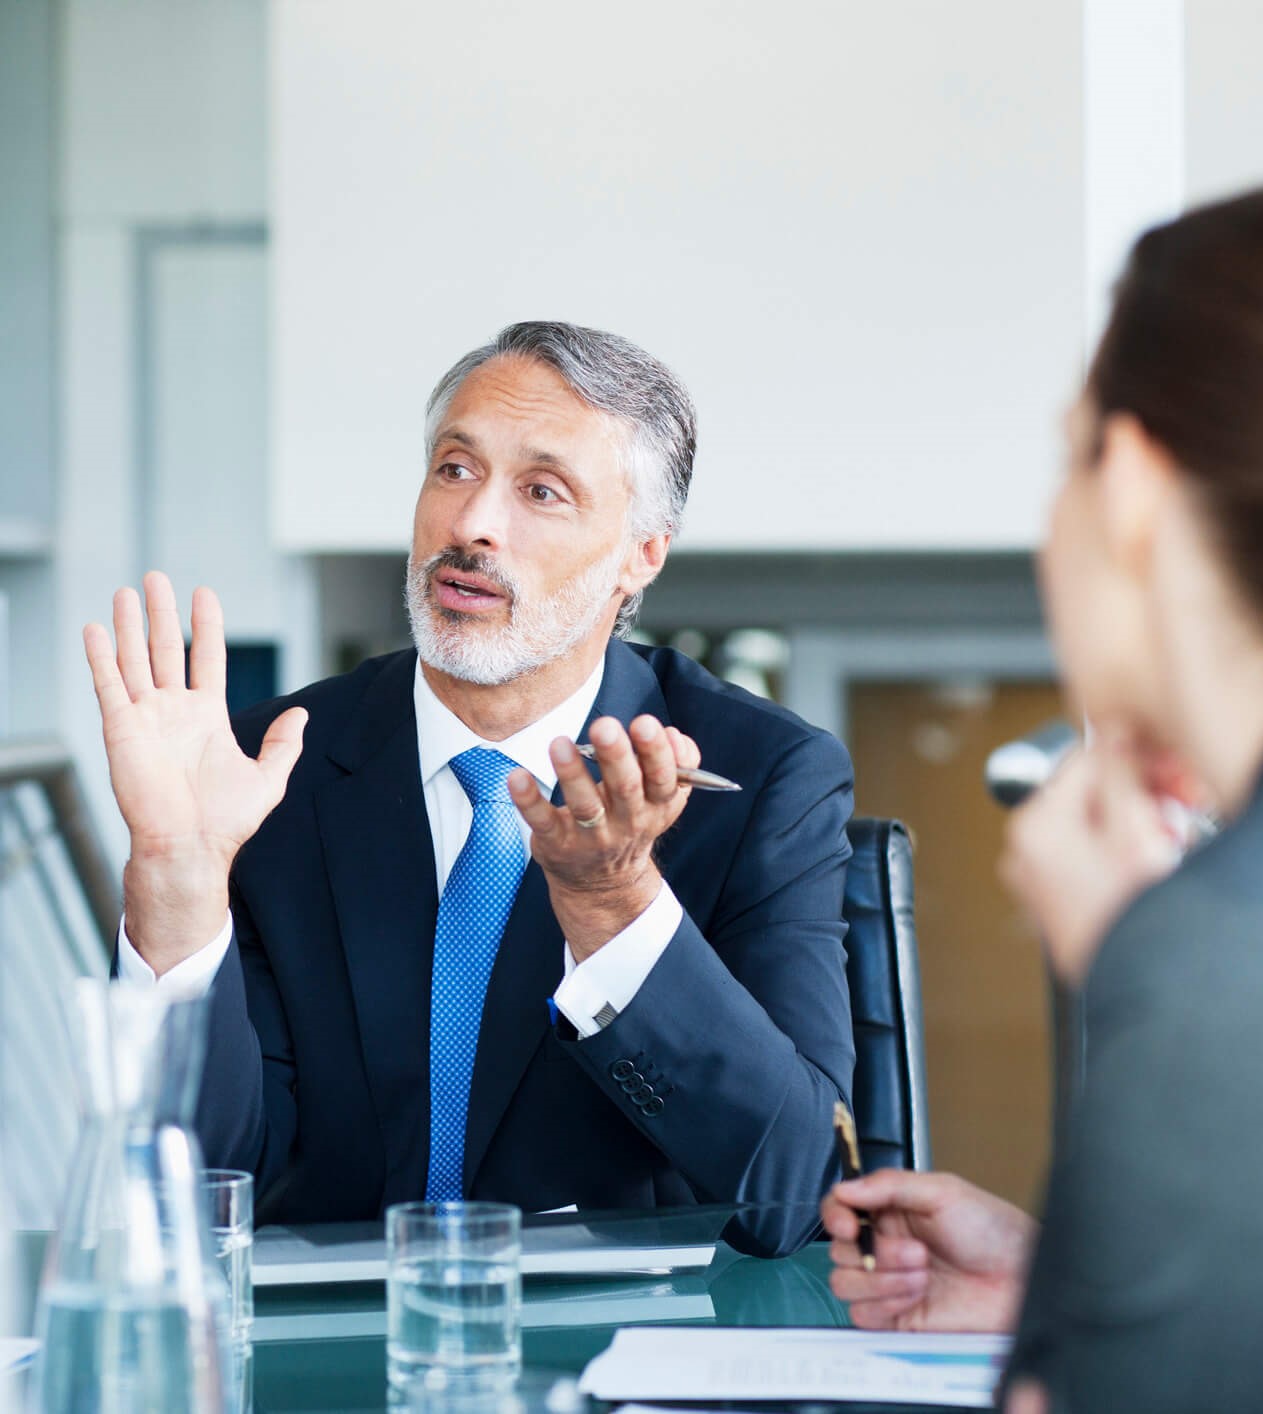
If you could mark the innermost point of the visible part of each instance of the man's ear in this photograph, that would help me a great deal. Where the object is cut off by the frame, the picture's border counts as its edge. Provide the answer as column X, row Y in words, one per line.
column 643, row 563
column 1138, row 478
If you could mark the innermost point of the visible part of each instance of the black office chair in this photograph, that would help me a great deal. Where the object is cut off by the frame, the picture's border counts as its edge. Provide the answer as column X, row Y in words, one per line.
column 891, row 1112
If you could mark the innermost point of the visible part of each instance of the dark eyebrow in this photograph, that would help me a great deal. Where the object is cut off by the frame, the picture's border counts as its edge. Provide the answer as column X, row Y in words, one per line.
column 538, row 456
column 530, row 454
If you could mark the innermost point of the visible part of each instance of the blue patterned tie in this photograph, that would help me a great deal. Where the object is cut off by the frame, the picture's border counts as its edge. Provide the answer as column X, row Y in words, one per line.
column 475, row 906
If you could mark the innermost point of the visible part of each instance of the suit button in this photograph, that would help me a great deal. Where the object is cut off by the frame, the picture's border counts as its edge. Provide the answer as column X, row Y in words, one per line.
column 653, row 1106
column 633, row 1082
column 644, row 1093
column 621, row 1069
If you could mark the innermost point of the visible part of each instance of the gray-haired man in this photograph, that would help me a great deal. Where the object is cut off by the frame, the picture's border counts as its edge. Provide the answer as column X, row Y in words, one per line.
column 613, row 994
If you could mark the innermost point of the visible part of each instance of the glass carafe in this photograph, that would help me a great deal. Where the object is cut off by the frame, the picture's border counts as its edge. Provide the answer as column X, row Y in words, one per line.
column 131, row 1310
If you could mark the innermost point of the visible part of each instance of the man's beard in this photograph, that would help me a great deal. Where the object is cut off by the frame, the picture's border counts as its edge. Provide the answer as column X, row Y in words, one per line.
column 538, row 632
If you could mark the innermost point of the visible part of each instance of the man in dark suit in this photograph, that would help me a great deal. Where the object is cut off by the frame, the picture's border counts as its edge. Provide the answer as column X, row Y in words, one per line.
column 651, row 1008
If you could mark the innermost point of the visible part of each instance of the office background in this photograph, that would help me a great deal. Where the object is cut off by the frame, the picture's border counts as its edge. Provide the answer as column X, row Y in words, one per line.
column 241, row 239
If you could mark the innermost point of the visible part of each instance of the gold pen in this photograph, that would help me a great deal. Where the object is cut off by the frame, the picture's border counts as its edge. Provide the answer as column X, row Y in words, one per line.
column 849, row 1152
column 699, row 780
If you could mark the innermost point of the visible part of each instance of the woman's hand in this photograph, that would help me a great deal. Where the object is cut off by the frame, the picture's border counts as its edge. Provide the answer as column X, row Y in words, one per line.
column 1084, row 846
column 950, row 1257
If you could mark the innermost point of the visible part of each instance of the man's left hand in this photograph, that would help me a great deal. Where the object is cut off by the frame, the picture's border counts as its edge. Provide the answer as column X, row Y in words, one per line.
column 596, row 850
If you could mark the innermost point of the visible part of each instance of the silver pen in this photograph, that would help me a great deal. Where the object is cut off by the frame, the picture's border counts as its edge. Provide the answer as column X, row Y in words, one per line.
column 699, row 780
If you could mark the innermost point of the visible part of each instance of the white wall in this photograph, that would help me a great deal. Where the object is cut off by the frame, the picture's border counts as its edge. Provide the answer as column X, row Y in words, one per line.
column 163, row 111
column 27, row 383
column 1224, row 96
column 1133, row 136
column 854, row 229
column 162, row 333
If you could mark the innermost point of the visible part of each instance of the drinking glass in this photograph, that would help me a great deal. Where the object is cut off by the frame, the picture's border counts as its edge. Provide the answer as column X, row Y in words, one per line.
column 453, row 1296
column 230, row 1204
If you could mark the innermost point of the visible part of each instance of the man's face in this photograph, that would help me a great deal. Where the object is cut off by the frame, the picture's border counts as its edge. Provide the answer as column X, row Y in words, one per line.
column 520, row 551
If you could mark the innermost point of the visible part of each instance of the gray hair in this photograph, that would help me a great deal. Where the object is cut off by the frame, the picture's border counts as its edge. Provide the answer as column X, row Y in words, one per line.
column 614, row 376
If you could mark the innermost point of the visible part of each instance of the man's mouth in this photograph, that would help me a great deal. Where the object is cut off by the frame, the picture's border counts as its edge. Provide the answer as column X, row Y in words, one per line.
column 465, row 593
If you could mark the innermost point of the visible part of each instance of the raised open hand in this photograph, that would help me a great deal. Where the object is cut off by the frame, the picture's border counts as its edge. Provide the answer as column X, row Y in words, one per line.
column 189, row 795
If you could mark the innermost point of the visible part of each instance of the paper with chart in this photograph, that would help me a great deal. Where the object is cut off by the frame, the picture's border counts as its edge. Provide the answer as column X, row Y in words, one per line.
column 783, row 1363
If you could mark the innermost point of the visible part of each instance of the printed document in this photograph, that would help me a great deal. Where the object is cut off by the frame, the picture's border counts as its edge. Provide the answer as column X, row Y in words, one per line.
column 787, row 1363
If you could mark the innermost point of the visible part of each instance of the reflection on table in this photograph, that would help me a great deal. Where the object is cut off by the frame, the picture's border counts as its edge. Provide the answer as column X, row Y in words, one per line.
column 321, row 1349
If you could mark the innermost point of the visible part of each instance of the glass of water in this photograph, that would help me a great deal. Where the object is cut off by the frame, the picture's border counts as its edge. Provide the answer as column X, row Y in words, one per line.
column 453, row 1296
column 230, row 1204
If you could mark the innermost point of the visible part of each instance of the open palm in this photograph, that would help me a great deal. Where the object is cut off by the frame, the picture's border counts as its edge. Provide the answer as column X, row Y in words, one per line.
column 184, row 786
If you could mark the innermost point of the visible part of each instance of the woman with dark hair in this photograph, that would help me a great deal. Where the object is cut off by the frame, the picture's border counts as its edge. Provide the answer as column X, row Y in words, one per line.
column 1144, row 1288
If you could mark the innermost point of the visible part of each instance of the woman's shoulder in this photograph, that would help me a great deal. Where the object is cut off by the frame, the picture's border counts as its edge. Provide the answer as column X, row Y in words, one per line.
column 1204, row 921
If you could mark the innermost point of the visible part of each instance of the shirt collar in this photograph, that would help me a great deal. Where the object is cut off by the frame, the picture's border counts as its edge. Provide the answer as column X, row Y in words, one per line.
column 441, row 734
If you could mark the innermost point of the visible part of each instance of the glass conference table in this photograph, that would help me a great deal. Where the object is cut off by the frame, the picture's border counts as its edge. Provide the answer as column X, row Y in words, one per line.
column 320, row 1348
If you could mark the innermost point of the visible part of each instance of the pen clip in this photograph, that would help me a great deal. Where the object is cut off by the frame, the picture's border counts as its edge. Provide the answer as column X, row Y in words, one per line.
column 848, row 1140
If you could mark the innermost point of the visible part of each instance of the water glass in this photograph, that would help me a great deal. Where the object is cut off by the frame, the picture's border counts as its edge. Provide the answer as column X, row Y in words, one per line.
column 230, row 1204
column 453, row 1297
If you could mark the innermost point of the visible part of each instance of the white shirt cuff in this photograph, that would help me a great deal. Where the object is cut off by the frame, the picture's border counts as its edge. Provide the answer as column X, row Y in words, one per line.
column 607, row 981
column 187, row 979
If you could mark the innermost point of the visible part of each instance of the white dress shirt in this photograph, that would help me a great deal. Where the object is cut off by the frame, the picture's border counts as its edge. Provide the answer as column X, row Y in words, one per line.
column 602, row 984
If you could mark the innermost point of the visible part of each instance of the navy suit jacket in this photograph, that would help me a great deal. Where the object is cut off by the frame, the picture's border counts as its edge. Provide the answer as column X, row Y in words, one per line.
column 317, row 1075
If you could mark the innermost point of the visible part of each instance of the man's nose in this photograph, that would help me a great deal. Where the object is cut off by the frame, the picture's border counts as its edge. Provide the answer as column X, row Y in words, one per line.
column 483, row 516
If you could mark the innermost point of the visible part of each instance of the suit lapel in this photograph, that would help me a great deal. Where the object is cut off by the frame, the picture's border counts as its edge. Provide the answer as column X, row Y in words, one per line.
column 380, row 860
column 529, row 964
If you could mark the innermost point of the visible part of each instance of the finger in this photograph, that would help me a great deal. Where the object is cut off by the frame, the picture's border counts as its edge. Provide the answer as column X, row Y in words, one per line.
column 1120, row 778
column 622, row 783
column 883, row 1315
column 281, row 747
column 1070, row 769
column 838, row 1218
column 532, row 806
column 894, row 1188
column 686, row 749
column 578, row 789
column 129, row 635
column 106, row 679
column 166, row 637
column 659, row 780
column 1067, row 792
column 893, row 1254
column 1063, row 806
column 889, row 1288
column 1140, row 832
column 208, row 657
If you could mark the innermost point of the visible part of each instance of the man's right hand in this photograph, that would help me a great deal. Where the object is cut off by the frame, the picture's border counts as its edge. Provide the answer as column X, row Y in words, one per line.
column 189, row 795
column 950, row 1257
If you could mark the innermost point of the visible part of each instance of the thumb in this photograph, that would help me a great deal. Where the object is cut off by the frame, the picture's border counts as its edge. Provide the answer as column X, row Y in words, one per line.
column 281, row 748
